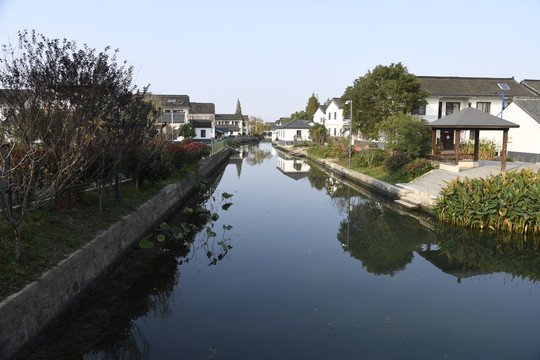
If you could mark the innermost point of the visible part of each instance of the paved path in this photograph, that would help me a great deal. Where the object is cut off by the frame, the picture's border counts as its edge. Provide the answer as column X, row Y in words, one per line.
column 424, row 190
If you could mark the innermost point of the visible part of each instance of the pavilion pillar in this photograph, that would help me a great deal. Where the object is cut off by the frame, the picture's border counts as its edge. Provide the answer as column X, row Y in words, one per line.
column 503, row 151
column 476, row 144
column 433, row 141
column 456, row 146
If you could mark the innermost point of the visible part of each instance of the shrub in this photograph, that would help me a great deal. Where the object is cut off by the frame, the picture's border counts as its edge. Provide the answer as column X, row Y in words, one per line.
column 396, row 162
column 368, row 158
column 487, row 149
column 417, row 168
column 508, row 201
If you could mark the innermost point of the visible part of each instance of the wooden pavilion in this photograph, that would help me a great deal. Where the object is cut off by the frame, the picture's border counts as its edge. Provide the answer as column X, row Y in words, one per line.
column 450, row 128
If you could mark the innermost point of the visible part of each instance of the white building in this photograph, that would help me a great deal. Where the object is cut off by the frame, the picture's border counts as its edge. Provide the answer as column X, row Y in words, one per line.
column 331, row 116
column 452, row 94
column 524, row 142
column 293, row 132
column 202, row 116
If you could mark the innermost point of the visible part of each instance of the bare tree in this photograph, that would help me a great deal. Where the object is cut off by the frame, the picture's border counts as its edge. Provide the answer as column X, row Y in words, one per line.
column 59, row 98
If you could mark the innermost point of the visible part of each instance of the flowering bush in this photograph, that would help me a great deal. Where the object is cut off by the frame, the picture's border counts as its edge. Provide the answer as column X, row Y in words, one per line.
column 187, row 152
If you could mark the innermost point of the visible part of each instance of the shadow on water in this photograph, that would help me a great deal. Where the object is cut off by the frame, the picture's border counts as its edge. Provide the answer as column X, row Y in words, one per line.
column 103, row 324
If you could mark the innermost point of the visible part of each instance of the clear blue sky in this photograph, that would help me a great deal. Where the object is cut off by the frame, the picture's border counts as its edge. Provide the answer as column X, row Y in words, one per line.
column 274, row 54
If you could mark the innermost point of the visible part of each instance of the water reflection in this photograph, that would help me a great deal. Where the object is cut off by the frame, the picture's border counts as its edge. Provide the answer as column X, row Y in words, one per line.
column 464, row 253
column 252, row 154
column 292, row 167
column 374, row 235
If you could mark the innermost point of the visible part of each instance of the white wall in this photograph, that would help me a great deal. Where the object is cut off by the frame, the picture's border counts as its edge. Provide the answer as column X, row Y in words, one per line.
column 526, row 138
column 432, row 108
column 289, row 134
column 319, row 117
column 334, row 119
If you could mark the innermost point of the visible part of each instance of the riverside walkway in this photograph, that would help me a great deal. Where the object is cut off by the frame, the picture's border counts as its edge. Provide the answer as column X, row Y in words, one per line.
column 424, row 190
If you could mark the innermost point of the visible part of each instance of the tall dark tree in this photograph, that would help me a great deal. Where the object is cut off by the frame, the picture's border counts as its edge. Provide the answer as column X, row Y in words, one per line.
column 381, row 93
column 59, row 98
column 312, row 106
column 238, row 108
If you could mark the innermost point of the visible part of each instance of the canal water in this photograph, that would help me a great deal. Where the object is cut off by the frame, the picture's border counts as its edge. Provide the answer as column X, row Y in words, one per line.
column 279, row 260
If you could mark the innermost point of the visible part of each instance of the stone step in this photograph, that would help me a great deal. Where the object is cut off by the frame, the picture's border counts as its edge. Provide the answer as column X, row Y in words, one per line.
column 421, row 190
column 407, row 205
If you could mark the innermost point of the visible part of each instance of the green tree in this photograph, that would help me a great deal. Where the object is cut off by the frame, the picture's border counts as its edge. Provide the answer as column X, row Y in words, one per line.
column 318, row 134
column 187, row 131
column 312, row 106
column 300, row 115
column 238, row 108
column 408, row 134
column 381, row 93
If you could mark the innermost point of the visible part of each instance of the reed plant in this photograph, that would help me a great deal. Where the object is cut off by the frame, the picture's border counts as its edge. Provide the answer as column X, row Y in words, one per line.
column 507, row 201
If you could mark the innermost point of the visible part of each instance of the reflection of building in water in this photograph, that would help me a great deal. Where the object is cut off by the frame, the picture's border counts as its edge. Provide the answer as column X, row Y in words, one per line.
column 450, row 265
column 237, row 157
column 292, row 167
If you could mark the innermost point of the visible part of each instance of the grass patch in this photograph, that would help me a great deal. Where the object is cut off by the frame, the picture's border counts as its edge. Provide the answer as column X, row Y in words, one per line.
column 49, row 238
column 378, row 172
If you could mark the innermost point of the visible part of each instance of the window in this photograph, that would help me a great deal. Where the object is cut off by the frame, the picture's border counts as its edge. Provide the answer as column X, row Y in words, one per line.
column 299, row 133
column 335, row 115
column 420, row 111
column 335, row 131
column 329, row 116
column 483, row 106
column 203, row 133
column 452, row 107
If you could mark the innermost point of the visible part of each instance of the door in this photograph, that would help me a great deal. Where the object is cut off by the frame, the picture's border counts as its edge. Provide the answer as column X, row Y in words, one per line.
column 447, row 139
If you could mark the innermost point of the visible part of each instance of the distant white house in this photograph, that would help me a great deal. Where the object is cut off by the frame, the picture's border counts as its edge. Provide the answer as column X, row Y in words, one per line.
column 230, row 124
column 293, row 132
column 524, row 142
column 334, row 118
column 202, row 116
column 320, row 115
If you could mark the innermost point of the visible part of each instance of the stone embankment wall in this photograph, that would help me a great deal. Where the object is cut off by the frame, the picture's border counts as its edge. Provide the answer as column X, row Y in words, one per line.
column 379, row 187
column 25, row 315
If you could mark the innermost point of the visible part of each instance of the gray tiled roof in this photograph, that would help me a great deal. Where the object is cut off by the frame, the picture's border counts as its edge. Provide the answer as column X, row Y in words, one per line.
column 202, row 123
column 229, row 117
column 168, row 101
column 229, row 128
column 338, row 101
column 295, row 124
column 202, row 108
column 530, row 105
column 471, row 86
column 323, row 108
column 533, row 85
column 470, row 118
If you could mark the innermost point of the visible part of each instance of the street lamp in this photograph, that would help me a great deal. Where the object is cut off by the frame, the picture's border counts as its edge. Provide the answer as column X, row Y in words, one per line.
column 350, row 131
column 502, row 86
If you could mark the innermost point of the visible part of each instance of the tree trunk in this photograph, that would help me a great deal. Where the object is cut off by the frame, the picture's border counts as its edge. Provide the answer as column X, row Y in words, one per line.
column 18, row 240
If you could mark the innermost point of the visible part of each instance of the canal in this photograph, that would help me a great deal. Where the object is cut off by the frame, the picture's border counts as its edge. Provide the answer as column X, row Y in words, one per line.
column 284, row 261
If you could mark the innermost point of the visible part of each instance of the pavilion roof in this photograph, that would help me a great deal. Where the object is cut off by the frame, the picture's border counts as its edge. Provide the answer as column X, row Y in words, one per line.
column 470, row 118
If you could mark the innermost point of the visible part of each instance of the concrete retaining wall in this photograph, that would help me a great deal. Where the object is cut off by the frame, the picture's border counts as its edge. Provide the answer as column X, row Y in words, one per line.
column 24, row 316
column 379, row 187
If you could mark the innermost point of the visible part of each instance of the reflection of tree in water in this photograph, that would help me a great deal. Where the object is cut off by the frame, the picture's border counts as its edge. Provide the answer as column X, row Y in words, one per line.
column 256, row 155
column 338, row 192
column 486, row 252
column 380, row 238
